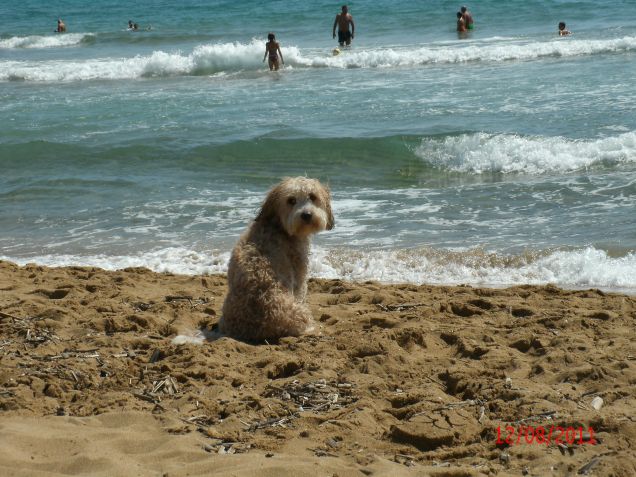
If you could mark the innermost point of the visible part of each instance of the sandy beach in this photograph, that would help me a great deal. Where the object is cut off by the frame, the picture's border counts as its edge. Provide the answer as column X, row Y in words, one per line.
column 474, row 303
column 401, row 380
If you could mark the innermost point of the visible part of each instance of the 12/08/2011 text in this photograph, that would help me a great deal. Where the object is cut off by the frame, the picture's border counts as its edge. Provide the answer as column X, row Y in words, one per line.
column 541, row 435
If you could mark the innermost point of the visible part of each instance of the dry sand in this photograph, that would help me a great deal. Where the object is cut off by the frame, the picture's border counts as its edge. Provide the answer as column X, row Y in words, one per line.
column 401, row 380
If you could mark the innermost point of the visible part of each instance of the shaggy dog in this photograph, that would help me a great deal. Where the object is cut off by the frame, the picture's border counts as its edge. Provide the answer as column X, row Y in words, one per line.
column 267, row 274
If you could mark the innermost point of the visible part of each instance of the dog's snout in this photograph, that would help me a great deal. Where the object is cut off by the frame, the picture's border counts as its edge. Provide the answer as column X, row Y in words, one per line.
column 306, row 216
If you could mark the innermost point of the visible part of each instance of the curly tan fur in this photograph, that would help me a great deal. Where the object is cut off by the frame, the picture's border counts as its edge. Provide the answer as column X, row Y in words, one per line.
column 267, row 274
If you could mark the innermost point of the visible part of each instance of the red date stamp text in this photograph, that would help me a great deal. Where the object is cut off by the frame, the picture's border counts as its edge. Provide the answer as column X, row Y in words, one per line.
column 545, row 435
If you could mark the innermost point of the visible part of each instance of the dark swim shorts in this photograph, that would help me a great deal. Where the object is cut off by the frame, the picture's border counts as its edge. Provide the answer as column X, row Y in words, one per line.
column 344, row 36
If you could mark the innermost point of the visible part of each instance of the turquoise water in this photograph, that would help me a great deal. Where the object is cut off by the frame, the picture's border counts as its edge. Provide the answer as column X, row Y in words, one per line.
column 506, row 156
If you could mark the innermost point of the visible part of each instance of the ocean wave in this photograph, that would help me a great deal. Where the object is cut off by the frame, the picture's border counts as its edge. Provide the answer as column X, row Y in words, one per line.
column 170, row 260
column 508, row 153
column 204, row 60
column 216, row 58
column 579, row 268
column 587, row 267
column 462, row 53
column 47, row 41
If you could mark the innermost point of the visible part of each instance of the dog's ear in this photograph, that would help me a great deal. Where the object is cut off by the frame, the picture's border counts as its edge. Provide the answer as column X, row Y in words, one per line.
column 269, row 209
column 327, row 200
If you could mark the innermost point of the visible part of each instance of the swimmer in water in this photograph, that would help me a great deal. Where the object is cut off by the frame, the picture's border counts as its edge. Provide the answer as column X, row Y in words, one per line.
column 272, row 50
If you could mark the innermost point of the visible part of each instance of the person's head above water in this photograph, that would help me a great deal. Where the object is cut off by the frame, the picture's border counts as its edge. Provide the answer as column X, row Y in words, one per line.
column 463, row 9
column 561, row 25
column 345, row 9
column 271, row 37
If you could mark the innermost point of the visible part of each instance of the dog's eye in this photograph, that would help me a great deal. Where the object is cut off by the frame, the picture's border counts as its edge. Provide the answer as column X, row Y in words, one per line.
column 291, row 201
column 312, row 197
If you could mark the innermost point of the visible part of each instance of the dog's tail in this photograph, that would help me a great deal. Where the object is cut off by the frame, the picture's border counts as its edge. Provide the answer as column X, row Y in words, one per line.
column 286, row 317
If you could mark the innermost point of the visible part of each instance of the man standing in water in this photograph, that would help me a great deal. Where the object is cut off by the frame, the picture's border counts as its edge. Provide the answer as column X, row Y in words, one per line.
column 343, row 20
column 61, row 27
column 468, row 18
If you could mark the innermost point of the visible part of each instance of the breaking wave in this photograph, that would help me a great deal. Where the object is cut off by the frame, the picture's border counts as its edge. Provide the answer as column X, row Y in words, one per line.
column 217, row 58
column 47, row 41
column 509, row 153
column 578, row 268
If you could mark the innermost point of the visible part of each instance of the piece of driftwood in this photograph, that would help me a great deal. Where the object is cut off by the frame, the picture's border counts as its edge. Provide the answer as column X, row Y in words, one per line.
column 202, row 423
column 156, row 354
column 7, row 315
column 399, row 306
column 589, row 466
column 322, row 453
column 147, row 397
column 315, row 396
column 273, row 422
column 168, row 385
column 171, row 298
column 542, row 415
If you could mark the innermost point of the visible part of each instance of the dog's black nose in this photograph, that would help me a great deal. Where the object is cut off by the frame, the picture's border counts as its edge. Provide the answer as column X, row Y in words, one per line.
column 306, row 216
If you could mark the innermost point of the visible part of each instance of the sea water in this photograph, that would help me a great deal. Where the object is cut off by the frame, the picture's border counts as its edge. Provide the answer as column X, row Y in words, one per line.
column 504, row 156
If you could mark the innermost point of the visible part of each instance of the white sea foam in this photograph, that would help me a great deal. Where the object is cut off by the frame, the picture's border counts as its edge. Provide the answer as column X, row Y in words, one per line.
column 215, row 59
column 462, row 53
column 508, row 153
column 48, row 41
column 204, row 59
column 173, row 260
column 581, row 268
column 588, row 267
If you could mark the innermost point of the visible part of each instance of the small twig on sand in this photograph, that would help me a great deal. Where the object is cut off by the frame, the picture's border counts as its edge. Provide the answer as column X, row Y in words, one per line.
column 399, row 307
column 193, row 303
column 193, row 421
column 276, row 421
column 147, row 397
column 7, row 315
column 322, row 453
column 536, row 416
column 169, row 385
column 589, row 466
column 170, row 298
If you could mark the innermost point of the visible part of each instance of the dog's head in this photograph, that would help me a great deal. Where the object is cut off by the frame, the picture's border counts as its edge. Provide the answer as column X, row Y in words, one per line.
column 301, row 205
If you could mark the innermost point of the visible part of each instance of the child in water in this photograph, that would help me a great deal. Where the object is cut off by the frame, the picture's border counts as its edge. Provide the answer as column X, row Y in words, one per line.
column 562, row 30
column 272, row 49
